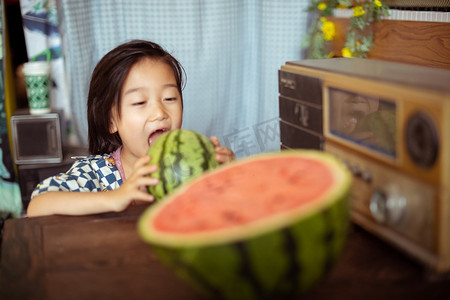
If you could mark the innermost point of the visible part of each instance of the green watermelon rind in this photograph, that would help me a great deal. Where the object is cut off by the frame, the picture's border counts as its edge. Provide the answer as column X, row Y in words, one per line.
column 177, row 163
column 341, row 187
column 273, row 275
column 243, row 263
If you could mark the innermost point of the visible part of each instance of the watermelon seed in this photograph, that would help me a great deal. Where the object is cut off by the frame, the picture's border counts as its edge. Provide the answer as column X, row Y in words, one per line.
column 232, row 216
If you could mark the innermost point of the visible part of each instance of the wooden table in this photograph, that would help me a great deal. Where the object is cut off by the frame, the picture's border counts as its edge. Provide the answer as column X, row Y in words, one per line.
column 102, row 257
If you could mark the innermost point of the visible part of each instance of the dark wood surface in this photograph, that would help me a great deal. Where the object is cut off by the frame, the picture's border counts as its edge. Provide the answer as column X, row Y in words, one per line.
column 102, row 257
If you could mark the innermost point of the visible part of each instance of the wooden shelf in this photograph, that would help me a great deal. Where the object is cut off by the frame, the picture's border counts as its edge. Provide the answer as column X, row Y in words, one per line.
column 413, row 42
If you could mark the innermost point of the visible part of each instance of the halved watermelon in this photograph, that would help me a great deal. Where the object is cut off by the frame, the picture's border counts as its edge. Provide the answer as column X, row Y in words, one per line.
column 268, row 226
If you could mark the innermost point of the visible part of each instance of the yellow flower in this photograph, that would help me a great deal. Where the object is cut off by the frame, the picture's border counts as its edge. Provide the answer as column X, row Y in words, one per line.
column 322, row 6
column 328, row 30
column 346, row 52
column 358, row 11
column 377, row 3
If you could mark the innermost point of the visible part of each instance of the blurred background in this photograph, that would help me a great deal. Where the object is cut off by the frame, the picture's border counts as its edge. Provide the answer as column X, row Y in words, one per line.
column 231, row 51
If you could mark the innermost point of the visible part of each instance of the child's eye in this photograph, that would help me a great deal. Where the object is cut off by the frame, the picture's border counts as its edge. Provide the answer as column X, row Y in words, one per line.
column 138, row 103
column 170, row 99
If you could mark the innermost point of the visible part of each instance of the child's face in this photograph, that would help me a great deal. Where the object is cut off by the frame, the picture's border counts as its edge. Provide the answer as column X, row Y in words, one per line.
column 150, row 105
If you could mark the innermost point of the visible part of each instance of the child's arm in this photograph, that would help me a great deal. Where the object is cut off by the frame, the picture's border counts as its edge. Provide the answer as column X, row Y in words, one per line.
column 223, row 154
column 82, row 203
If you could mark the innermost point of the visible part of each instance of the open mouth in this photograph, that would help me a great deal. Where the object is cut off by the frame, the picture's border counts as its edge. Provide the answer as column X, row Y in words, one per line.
column 156, row 134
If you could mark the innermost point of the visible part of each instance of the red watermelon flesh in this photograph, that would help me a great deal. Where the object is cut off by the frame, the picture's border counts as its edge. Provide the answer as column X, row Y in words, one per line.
column 245, row 195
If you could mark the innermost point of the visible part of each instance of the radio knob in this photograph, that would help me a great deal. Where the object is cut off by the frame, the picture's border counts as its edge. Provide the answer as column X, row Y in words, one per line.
column 356, row 170
column 378, row 206
column 387, row 206
column 366, row 176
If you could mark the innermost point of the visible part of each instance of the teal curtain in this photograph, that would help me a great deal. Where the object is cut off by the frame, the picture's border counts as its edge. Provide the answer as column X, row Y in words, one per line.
column 231, row 50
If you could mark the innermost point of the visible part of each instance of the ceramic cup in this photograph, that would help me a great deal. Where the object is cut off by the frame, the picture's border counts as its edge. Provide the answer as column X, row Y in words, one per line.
column 37, row 78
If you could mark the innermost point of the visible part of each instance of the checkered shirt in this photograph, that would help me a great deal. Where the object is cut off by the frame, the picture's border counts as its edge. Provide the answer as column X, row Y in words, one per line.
column 90, row 174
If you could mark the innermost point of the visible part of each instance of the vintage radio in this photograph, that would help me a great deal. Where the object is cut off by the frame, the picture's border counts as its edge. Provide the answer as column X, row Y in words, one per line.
column 390, row 124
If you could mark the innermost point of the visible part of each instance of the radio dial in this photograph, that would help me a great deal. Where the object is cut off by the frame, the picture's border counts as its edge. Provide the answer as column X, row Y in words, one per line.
column 422, row 140
column 387, row 206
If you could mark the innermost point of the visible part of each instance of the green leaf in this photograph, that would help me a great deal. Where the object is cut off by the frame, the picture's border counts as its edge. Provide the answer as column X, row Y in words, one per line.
column 345, row 2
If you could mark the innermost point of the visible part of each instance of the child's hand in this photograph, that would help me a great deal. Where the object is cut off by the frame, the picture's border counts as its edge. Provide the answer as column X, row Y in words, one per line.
column 135, row 187
column 223, row 154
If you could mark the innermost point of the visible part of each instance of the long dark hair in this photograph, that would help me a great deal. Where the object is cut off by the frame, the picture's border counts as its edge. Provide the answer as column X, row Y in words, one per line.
column 106, row 85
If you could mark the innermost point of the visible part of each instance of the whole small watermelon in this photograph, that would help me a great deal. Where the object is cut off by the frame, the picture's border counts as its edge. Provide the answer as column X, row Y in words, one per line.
column 181, row 155
column 264, row 227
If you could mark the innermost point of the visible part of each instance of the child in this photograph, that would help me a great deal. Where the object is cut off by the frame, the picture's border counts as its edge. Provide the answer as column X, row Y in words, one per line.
column 135, row 95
